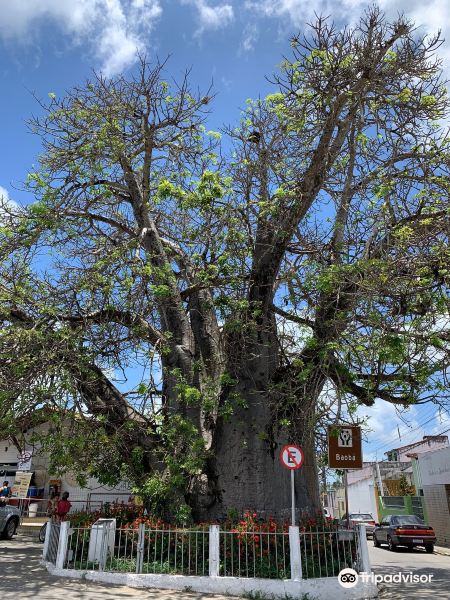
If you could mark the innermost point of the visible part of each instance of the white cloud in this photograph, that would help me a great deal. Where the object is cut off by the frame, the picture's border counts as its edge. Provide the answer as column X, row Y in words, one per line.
column 114, row 30
column 250, row 37
column 429, row 16
column 441, row 423
column 5, row 199
column 385, row 424
column 298, row 12
column 6, row 206
column 211, row 17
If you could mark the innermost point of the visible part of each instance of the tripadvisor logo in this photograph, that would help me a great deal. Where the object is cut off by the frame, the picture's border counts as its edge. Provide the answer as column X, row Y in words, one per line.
column 348, row 578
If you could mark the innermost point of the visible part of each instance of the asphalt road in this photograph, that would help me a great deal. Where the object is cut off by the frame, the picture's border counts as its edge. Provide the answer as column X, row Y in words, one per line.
column 22, row 578
column 419, row 562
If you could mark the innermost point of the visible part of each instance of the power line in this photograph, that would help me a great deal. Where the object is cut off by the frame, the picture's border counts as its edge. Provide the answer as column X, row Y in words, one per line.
column 411, row 431
column 437, row 434
column 442, row 432
column 405, row 434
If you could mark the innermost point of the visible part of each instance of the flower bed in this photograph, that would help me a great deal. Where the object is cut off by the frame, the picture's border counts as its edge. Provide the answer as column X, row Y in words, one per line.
column 249, row 547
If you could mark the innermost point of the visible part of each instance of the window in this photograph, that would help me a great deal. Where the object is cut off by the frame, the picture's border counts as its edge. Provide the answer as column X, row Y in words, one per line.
column 408, row 520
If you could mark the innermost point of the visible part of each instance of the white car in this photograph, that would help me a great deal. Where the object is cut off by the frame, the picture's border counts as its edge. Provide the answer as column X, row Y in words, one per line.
column 357, row 518
column 9, row 520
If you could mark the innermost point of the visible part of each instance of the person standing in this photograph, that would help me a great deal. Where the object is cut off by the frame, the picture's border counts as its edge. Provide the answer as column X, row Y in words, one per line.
column 52, row 504
column 63, row 506
column 5, row 491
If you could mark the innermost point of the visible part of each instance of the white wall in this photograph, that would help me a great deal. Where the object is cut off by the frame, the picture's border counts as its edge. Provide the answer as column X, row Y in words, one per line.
column 8, row 452
column 354, row 475
column 94, row 492
column 361, row 497
column 39, row 464
column 435, row 467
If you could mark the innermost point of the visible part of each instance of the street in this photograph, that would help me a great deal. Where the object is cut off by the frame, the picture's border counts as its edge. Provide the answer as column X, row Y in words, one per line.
column 419, row 562
column 22, row 577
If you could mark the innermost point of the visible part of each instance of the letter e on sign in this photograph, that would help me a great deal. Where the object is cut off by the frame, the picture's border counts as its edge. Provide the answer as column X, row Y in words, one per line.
column 292, row 457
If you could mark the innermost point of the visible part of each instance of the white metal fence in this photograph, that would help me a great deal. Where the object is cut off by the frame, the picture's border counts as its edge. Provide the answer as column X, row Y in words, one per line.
column 254, row 554
column 143, row 550
column 210, row 551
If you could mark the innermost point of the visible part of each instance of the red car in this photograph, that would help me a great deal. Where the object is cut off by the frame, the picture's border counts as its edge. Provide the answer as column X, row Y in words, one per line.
column 404, row 530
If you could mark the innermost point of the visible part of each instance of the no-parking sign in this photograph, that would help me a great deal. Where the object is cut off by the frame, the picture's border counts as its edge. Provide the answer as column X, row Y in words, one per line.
column 292, row 457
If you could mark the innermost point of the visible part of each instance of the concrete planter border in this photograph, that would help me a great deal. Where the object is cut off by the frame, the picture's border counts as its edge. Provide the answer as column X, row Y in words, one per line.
column 320, row 589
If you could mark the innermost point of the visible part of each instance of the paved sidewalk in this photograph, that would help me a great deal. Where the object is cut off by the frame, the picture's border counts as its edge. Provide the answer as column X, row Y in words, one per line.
column 442, row 550
column 22, row 577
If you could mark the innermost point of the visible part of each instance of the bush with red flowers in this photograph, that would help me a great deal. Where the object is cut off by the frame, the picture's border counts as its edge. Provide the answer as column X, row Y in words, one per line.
column 249, row 546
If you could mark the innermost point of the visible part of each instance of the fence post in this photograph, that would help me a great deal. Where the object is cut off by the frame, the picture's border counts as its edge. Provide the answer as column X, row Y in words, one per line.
column 48, row 530
column 363, row 549
column 140, row 548
column 214, row 550
column 62, row 544
column 103, row 548
column 294, row 552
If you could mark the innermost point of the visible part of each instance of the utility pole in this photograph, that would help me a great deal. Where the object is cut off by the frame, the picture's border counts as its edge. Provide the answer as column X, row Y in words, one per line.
column 380, row 481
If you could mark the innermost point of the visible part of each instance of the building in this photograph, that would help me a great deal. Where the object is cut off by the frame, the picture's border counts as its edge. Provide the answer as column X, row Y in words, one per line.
column 432, row 475
column 377, row 489
column 373, row 488
column 33, row 460
column 427, row 444
column 415, row 479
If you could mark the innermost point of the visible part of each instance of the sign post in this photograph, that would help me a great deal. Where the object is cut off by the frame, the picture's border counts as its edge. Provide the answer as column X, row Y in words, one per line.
column 292, row 498
column 346, row 498
column 292, row 458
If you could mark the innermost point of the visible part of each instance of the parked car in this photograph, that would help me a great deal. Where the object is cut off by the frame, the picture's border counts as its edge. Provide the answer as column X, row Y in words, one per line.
column 358, row 518
column 9, row 520
column 326, row 513
column 404, row 530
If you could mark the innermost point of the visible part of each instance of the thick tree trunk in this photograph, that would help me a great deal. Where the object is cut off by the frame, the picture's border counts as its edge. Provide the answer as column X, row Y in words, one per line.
column 249, row 472
column 245, row 472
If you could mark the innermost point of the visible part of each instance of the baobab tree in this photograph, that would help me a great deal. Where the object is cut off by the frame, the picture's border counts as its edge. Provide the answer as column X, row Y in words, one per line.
column 180, row 309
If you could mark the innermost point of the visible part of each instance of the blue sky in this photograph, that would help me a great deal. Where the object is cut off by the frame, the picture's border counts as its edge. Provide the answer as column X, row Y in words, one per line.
column 52, row 45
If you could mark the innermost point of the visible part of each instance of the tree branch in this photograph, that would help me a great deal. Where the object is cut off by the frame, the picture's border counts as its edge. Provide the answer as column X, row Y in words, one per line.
column 291, row 317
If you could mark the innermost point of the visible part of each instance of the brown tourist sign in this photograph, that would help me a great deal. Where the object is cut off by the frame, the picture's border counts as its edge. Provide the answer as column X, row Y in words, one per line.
column 344, row 447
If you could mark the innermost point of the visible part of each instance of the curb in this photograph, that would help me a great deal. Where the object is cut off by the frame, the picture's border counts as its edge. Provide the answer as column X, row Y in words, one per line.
column 442, row 551
column 322, row 588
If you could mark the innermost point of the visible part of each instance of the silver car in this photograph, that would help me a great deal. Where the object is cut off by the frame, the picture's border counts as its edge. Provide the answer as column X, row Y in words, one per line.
column 357, row 518
column 9, row 520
